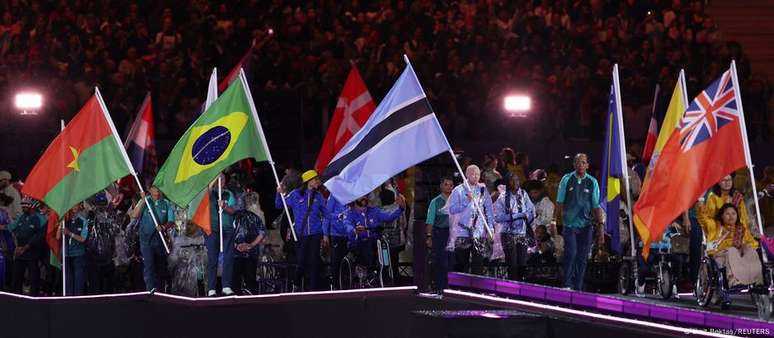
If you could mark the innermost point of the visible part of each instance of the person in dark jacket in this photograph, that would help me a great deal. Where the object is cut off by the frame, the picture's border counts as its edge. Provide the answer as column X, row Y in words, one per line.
column 30, row 234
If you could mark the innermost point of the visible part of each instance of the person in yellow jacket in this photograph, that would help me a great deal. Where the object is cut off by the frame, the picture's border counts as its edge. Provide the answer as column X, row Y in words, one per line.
column 732, row 245
column 723, row 192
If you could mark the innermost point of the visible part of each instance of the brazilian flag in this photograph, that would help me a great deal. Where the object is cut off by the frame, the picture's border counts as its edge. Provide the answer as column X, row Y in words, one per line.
column 227, row 132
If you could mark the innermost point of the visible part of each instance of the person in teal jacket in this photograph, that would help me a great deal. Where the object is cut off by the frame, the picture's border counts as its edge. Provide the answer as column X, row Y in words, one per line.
column 153, row 255
column 29, row 234
column 76, row 231
column 212, row 241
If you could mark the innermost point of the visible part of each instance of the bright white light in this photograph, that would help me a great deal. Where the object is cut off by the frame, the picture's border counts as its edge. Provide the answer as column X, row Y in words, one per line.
column 29, row 101
column 491, row 315
column 518, row 103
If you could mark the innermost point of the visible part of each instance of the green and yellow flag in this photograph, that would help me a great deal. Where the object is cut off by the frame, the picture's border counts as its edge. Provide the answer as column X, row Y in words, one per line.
column 227, row 132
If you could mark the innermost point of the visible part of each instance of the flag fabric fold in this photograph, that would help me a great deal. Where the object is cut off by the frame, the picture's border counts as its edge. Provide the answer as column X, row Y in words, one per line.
column 228, row 131
column 140, row 141
column 706, row 145
column 353, row 109
column 402, row 131
column 650, row 140
column 83, row 159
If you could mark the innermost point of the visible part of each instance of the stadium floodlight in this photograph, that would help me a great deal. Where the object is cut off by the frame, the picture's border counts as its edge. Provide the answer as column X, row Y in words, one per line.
column 29, row 102
column 517, row 105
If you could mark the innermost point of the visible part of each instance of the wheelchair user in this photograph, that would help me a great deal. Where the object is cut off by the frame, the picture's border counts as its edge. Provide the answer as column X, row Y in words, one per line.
column 662, row 247
column 364, row 223
column 731, row 245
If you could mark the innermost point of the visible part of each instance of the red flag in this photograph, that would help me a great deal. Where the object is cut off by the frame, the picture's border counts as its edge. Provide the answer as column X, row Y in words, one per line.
column 707, row 146
column 140, row 142
column 650, row 141
column 51, row 229
column 244, row 62
column 202, row 211
column 353, row 109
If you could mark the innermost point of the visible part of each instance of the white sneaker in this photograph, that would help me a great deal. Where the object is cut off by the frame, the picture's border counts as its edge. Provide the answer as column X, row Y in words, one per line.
column 640, row 289
column 211, row 293
column 227, row 292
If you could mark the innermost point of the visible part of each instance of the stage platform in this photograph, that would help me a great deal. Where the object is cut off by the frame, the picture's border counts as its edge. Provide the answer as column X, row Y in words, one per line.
column 389, row 312
column 682, row 313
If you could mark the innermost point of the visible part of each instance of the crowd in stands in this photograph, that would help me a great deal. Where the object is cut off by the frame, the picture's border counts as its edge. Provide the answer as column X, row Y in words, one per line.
column 468, row 54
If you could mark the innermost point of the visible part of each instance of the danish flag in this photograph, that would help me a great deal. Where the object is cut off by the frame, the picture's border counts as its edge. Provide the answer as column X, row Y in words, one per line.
column 353, row 109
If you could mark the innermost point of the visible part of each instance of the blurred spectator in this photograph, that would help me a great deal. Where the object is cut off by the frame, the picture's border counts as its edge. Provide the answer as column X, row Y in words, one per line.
column 562, row 50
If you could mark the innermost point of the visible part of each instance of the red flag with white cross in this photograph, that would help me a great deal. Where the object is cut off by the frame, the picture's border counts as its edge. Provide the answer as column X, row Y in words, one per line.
column 353, row 109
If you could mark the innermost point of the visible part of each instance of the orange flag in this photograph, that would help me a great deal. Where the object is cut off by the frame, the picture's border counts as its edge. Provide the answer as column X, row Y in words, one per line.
column 707, row 145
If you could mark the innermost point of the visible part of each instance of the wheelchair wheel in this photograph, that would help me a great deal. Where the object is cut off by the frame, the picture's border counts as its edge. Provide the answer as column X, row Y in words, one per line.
column 664, row 280
column 625, row 280
column 345, row 273
column 705, row 282
column 385, row 265
column 763, row 305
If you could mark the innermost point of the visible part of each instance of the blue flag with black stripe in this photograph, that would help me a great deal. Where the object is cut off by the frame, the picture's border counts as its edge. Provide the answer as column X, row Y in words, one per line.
column 402, row 131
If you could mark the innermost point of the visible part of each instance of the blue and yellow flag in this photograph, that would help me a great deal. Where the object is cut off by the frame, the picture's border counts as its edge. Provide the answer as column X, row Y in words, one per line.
column 611, row 175
column 227, row 132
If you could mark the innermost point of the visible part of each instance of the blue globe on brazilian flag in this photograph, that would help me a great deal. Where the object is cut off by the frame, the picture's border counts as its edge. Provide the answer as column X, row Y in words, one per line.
column 227, row 132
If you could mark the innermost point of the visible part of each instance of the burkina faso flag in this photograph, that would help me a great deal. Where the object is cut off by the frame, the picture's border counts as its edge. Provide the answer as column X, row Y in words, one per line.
column 84, row 159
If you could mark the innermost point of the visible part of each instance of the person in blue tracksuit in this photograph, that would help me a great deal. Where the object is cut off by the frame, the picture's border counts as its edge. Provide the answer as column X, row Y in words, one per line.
column 153, row 255
column 308, row 206
column 515, row 211
column 335, row 230
column 364, row 223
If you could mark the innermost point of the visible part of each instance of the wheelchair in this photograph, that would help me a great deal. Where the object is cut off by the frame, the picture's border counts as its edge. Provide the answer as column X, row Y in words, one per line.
column 664, row 275
column 356, row 274
column 712, row 287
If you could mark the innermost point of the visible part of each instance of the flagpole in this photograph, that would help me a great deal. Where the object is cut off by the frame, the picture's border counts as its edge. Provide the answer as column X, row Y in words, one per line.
column 684, row 88
column 220, row 211
column 747, row 157
column 489, row 231
column 254, row 112
column 130, row 166
column 64, row 243
column 622, row 149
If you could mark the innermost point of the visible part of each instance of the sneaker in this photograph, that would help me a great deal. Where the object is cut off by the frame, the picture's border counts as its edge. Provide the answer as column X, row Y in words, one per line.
column 211, row 293
column 152, row 291
column 640, row 292
column 228, row 292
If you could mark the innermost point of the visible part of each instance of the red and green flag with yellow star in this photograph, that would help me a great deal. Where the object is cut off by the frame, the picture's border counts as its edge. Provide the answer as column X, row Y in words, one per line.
column 84, row 159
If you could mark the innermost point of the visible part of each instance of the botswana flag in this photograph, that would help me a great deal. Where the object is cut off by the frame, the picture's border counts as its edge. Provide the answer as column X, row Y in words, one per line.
column 402, row 132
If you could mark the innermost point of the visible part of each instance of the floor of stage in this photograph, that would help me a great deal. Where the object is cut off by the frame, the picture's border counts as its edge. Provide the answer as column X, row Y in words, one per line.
column 397, row 312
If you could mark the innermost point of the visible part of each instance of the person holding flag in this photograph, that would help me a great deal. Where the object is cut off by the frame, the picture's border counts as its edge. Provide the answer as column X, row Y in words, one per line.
column 76, row 231
column 151, row 246
column 222, row 205
column 84, row 158
column 308, row 206
column 467, row 202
